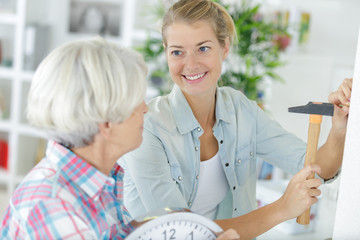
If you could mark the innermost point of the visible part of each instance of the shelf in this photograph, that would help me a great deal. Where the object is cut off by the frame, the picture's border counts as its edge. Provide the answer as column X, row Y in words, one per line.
column 5, row 98
column 8, row 18
column 6, row 72
column 27, row 76
column 4, row 176
column 28, row 154
column 7, row 34
column 5, row 125
column 24, row 129
column 25, row 87
column 28, row 130
column 25, row 142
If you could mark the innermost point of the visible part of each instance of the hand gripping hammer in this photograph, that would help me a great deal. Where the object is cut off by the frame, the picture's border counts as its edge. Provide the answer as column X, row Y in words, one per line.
column 316, row 111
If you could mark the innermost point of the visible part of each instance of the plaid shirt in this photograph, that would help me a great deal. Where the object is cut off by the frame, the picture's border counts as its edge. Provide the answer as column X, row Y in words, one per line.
column 64, row 197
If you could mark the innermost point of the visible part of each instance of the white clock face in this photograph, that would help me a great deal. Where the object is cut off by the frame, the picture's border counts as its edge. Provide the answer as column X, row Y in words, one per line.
column 179, row 225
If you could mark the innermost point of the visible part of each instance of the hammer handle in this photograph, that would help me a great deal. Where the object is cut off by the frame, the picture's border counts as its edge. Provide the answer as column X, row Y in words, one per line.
column 313, row 139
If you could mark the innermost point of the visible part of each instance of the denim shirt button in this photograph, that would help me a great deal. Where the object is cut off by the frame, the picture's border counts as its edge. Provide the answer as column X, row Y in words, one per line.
column 196, row 148
column 239, row 160
column 197, row 177
column 180, row 178
column 189, row 204
column 199, row 129
column 251, row 154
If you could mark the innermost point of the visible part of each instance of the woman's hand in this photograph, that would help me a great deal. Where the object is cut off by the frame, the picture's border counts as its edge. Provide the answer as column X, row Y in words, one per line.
column 341, row 99
column 300, row 193
column 230, row 234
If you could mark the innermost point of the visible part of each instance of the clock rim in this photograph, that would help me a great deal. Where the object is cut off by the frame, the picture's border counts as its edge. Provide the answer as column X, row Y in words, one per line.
column 176, row 216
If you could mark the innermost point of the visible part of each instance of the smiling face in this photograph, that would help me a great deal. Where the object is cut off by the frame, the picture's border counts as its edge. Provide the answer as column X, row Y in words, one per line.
column 194, row 57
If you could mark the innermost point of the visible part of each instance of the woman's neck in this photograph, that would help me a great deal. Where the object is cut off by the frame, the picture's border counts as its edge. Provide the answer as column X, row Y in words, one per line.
column 203, row 108
column 98, row 154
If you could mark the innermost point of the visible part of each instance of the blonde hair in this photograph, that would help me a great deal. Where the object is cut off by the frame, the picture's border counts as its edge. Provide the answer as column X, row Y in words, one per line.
column 190, row 11
column 84, row 83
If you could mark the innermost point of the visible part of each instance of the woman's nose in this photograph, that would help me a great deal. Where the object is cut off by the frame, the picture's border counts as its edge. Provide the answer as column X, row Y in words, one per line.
column 191, row 61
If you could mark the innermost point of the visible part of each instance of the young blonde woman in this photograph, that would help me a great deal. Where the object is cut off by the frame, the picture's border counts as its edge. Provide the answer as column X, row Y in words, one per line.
column 201, row 141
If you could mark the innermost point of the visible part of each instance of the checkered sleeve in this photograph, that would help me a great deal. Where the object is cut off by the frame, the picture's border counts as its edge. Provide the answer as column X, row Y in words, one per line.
column 57, row 219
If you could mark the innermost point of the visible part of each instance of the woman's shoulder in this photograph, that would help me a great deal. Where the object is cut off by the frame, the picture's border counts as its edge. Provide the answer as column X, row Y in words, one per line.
column 159, row 104
column 235, row 98
column 160, row 113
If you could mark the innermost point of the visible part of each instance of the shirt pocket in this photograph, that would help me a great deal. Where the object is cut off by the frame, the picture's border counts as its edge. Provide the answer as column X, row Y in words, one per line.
column 245, row 164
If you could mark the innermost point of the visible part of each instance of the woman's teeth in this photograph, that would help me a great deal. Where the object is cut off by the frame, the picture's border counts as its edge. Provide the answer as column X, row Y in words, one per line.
column 195, row 76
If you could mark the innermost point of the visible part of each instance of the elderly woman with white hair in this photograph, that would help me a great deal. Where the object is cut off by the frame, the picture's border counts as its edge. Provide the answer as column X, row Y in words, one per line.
column 87, row 98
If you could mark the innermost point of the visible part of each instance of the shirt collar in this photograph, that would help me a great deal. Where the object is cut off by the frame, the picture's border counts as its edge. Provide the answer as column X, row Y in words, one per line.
column 222, row 109
column 183, row 115
column 78, row 171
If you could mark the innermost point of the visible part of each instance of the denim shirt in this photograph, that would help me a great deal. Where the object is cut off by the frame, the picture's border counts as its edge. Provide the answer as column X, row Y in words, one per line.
column 164, row 171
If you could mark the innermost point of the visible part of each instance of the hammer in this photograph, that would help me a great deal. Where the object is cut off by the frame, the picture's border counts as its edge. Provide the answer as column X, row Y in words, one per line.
column 316, row 111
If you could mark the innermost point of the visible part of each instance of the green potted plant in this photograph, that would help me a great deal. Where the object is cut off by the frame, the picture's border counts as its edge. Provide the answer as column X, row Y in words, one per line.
column 254, row 58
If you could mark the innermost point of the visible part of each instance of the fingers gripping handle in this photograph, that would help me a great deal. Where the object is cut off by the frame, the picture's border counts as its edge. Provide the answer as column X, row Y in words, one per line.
column 312, row 144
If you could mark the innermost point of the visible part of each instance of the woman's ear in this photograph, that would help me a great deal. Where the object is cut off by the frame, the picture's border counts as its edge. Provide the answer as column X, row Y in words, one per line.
column 226, row 48
column 105, row 129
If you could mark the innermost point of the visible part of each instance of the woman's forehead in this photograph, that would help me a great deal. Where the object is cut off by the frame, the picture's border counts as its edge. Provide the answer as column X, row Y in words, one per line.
column 198, row 32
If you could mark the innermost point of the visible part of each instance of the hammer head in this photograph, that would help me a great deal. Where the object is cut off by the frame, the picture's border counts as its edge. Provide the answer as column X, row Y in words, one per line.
column 317, row 108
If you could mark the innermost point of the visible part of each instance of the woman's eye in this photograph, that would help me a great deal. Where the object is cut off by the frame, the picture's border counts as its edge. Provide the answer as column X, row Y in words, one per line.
column 176, row 53
column 204, row 49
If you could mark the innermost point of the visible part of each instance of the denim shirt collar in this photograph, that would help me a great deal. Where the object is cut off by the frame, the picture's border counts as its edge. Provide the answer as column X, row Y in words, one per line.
column 223, row 108
column 183, row 115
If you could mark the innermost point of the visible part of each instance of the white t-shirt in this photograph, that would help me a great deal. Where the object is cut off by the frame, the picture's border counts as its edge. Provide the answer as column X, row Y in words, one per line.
column 212, row 188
